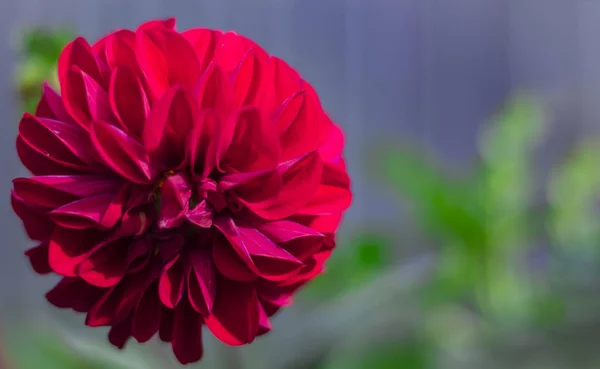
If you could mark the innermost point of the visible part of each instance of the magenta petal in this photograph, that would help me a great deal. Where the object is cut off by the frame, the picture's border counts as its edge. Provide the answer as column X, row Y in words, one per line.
column 85, row 99
column 79, row 54
column 167, row 59
column 175, row 195
column 229, row 263
column 74, row 293
column 167, row 127
column 170, row 287
column 254, row 145
column 39, row 164
column 204, row 144
column 201, row 215
column 106, row 263
column 258, row 252
column 52, row 107
column 61, row 142
column 205, row 42
column 120, row 333
column 103, row 211
column 147, row 316
column 139, row 255
column 235, row 316
column 38, row 257
column 333, row 143
column 333, row 194
column 264, row 325
column 128, row 100
column 285, row 230
column 187, row 334
column 304, row 122
column 165, row 331
column 35, row 192
column 80, row 185
column 37, row 225
column 68, row 248
column 202, row 281
column 119, row 50
column 300, row 180
column 121, row 153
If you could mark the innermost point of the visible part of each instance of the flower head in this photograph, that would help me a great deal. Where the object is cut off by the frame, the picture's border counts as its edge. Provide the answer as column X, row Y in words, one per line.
column 179, row 180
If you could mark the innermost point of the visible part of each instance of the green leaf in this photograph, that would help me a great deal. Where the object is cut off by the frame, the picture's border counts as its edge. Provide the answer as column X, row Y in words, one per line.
column 412, row 354
column 444, row 206
column 45, row 44
column 573, row 195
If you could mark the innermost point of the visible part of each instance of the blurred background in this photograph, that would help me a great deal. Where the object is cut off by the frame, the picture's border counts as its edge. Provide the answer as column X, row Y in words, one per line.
column 472, row 131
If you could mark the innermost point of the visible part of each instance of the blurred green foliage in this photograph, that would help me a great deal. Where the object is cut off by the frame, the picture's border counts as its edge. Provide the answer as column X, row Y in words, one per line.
column 39, row 49
column 482, row 221
column 47, row 351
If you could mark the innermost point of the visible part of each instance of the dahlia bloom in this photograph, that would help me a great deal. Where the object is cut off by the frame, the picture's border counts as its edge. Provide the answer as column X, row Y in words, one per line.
column 179, row 180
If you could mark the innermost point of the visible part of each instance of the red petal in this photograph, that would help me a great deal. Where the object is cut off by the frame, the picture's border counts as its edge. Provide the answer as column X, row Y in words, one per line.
column 60, row 142
column 79, row 54
column 333, row 195
column 187, row 334
column 167, row 59
column 249, row 88
column 74, row 293
column 229, row 263
column 118, row 302
column 103, row 211
column 214, row 91
column 120, row 333
column 285, row 230
column 264, row 326
column 165, row 331
column 80, row 185
column 35, row 192
column 135, row 222
column 300, row 180
column 298, row 124
column 36, row 223
column 284, row 80
column 204, row 144
column 121, row 153
column 332, row 142
column 232, row 48
column 202, row 283
column 254, row 145
column 175, row 195
column 147, row 316
column 205, row 42
column 128, row 100
column 258, row 252
column 139, row 255
column 68, row 248
column 201, row 215
column 120, row 49
column 106, row 263
column 168, row 126
column 52, row 107
column 235, row 316
column 85, row 99
column 171, row 283
column 39, row 163
column 38, row 257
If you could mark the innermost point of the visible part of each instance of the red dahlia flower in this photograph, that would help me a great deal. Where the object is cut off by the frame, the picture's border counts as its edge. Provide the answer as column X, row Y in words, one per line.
column 179, row 179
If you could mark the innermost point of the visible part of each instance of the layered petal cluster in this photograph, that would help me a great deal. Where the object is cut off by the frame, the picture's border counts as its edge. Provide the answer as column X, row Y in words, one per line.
column 179, row 180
